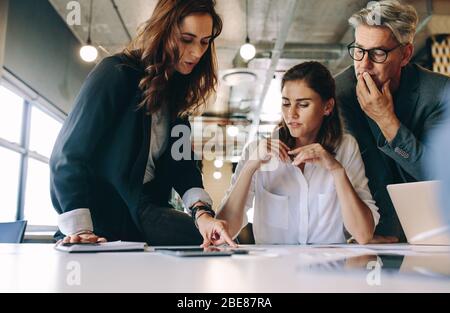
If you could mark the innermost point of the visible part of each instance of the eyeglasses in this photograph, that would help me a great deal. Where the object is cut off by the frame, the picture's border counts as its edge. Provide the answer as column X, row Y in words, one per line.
column 377, row 55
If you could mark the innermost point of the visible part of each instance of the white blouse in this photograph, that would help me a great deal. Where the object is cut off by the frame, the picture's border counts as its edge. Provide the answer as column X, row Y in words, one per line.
column 291, row 207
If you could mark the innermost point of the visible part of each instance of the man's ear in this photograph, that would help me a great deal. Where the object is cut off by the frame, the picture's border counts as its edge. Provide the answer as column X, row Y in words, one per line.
column 329, row 107
column 408, row 52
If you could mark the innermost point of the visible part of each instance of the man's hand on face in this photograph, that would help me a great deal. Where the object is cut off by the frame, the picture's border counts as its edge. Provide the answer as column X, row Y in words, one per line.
column 378, row 105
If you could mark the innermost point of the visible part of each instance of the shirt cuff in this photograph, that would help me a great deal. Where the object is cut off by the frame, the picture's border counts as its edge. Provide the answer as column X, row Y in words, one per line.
column 195, row 195
column 75, row 221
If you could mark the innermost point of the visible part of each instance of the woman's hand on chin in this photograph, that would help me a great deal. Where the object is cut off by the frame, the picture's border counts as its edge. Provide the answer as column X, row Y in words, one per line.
column 316, row 154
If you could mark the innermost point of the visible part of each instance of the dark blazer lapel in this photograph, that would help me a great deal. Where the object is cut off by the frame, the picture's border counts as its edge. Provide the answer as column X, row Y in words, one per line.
column 138, row 170
column 408, row 95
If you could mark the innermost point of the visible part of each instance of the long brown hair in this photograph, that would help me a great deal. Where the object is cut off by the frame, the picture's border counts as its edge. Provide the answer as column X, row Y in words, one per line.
column 156, row 52
column 319, row 79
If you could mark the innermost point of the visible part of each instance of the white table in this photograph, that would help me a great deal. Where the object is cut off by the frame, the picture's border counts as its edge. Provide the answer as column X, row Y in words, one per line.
column 39, row 268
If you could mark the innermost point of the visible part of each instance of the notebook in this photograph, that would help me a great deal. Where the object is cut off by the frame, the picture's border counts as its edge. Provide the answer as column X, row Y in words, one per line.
column 115, row 246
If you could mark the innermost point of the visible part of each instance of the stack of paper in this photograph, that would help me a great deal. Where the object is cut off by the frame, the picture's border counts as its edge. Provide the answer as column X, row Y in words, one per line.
column 115, row 246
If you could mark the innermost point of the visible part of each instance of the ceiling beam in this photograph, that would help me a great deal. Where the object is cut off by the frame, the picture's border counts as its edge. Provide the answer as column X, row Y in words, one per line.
column 291, row 9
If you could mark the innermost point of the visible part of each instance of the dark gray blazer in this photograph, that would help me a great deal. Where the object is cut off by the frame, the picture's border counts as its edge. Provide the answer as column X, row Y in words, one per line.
column 419, row 104
column 100, row 156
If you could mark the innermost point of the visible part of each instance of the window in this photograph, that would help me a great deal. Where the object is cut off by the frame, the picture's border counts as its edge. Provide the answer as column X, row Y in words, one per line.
column 11, row 111
column 27, row 136
column 9, row 184
column 38, row 206
column 44, row 130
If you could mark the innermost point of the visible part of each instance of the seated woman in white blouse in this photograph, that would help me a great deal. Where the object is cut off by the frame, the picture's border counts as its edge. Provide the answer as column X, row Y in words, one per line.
column 319, row 194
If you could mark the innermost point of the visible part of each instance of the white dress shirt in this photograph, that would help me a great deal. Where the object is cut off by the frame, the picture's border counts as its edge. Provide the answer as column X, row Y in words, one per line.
column 80, row 220
column 291, row 207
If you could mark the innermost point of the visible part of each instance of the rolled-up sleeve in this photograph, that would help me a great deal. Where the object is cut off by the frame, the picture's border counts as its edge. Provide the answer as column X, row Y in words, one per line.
column 75, row 221
column 195, row 195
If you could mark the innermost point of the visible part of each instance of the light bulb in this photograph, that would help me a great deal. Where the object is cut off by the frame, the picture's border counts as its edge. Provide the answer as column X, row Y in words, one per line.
column 218, row 163
column 88, row 53
column 217, row 175
column 248, row 51
column 232, row 131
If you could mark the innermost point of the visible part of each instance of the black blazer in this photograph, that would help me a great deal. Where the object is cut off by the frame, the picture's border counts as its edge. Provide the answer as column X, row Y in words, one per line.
column 100, row 156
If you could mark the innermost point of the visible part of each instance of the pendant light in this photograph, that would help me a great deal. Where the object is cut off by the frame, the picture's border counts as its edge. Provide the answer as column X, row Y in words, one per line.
column 88, row 52
column 248, row 51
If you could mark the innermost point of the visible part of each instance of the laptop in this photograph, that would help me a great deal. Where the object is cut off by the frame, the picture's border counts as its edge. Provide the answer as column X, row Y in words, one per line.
column 418, row 210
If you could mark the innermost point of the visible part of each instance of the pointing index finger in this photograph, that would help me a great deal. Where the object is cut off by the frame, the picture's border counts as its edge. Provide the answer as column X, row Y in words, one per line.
column 227, row 238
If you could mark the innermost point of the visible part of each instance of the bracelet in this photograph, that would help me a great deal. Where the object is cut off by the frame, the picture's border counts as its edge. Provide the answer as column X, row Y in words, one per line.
column 205, row 208
column 201, row 213
column 202, row 207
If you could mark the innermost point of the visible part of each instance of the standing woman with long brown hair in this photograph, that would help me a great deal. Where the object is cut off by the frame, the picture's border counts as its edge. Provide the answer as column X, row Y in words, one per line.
column 115, row 161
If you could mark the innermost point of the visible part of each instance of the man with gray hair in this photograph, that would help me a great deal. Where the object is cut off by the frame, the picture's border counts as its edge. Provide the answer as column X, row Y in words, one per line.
column 388, row 104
